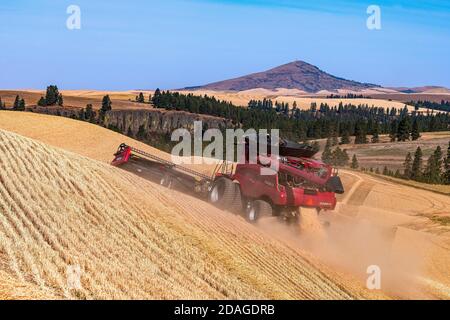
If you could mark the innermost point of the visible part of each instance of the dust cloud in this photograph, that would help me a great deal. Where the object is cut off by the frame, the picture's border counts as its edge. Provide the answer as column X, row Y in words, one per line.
column 352, row 245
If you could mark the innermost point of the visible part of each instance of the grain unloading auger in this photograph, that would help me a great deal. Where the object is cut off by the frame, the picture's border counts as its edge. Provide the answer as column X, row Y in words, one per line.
column 299, row 181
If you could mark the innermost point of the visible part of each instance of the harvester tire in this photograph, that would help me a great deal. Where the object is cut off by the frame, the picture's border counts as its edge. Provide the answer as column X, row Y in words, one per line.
column 222, row 193
column 258, row 209
column 236, row 205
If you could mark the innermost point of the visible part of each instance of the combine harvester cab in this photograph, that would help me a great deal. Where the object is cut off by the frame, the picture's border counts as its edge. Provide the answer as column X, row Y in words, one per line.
column 122, row 155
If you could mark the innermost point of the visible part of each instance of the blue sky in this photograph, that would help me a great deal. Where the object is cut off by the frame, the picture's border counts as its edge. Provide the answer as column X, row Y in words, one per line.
column 176, row 43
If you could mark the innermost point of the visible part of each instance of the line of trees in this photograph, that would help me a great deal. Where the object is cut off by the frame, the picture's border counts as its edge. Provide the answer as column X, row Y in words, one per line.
column 317, row 122
column 19, row 104
column 435, row 171
column 442, row 106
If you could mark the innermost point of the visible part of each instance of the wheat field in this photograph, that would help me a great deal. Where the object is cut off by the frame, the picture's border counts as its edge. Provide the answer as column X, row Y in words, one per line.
column 132, row 239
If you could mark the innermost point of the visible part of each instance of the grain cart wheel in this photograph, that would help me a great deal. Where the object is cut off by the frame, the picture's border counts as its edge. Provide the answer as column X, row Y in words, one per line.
column 222, row 193
column 258, row 209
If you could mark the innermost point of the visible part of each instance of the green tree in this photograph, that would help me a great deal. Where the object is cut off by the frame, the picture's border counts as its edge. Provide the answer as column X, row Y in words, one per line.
column 404, row 129
column 415, row 133
column 60, row 100
column 89, row 113
column 16, row 103
column 2, row 105
column 446, row 174
column 376, row 133
column 106, row 106
column 345, row 158
column 327, row 155
column 407, row 167
column 385, row 171
column 360, row 133
column 140, row 98
column 355, row 164
column 157, row 97
column 432, row 173
column 42, row 102
column 393, row 130
column 345, row 139
column 51, row 95
column 416, row 168
column 339, row 157
column 21, row 105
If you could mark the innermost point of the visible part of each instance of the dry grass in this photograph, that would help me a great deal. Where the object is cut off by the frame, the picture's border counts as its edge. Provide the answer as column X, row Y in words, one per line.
column 134, row 239
column 80, row 137
column 438, row 188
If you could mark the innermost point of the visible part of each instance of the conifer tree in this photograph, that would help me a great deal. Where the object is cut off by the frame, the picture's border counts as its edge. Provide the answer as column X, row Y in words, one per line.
column 140, row 98
column 16, row 103
column 42, row 102
column 60, row 100
column 446, row 174
column 404, row 129
column 393, row 130
column 407, row 166
column 415, row 134
column 432, row 173
column 360, row 133
column 51, row 95
column 416, row 168
column 327, row 154
column 355, row 163
column 345, row 139
column 376, row 133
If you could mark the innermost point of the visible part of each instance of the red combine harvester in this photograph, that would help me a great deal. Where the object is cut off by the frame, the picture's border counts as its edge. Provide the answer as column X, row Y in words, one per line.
column 299, row 181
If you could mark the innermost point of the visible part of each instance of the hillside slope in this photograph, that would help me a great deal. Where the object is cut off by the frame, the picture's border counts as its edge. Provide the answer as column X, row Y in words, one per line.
column 295, row 75
column 133, row 239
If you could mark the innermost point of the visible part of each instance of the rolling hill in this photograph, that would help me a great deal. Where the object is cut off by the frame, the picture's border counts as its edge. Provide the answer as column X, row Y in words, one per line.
column 295, row 75
column 132, row 238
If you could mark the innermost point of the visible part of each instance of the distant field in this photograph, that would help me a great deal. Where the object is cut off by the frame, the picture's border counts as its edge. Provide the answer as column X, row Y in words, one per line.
column 392, row 154
column 78, row 99
column 121, row 99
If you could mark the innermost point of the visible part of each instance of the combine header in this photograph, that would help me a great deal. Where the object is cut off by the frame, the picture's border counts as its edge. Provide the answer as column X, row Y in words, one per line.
column 299, row 181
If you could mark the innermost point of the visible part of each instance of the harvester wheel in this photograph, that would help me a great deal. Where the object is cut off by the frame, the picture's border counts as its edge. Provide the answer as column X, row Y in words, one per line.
column 236, row 205
column 222, row 193
column 258, row 209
